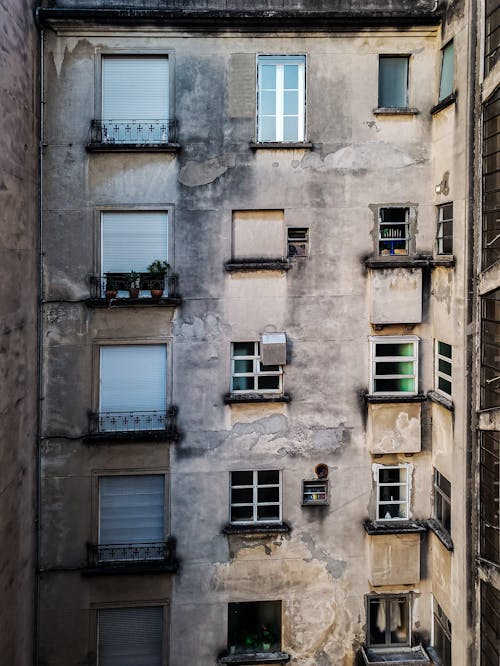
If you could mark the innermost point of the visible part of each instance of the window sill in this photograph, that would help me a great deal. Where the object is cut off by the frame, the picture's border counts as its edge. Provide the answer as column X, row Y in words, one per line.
column 167, row 302
column 256, row 658
column 281, row 145
column 445, row 260
column 404, row 656
column 396, row 261
column 128, row 568
column 235, row 398
column 374, row 528
column 439, row 399
column 256, row 265
column 447, row 101
column 395, row 111
column 133, row 147
column 378, row 399
column 144, row 436
column 441, row 533
column 262, row 528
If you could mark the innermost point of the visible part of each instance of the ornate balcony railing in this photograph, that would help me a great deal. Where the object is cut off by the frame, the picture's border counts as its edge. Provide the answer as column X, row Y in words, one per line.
column 130, row 554
column 119, row 286
column 130, row 423
column 133, row 132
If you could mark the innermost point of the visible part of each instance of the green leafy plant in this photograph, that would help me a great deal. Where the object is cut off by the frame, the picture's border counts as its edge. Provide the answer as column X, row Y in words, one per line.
column 133, row 277
column 158, row 267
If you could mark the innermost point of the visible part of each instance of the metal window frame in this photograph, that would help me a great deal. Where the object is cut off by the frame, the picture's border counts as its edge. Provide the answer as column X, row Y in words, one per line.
column 255, row 497
column 383, row 56
column 406, row 224
column 393, row 339
column 439, row 373
column 440, row 618
column 444, row 48
column 387, row 598
column 280, row 60
column 256, row 372
column 440, row 236
column 445, row 498
column 381, row 503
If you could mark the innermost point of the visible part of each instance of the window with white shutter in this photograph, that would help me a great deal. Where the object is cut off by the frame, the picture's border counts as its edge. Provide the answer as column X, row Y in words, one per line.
column 130, row 636
column 135, row 99
column 133, row 385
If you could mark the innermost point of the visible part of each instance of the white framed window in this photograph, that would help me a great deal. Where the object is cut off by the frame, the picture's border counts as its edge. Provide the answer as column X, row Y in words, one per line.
column 394, row 231
column 281, row 98
column 388, row 620
column 131, row 241
column 394, row 365
column 255, row 496
column 131, row 517
column 442, row 368
column 444, row 235
column 393, row 81
column 447, row 71
column 392, row 492
column 248, row 375
column 132, row 636
column 132, row 387
column 135, row 99
column 442, row 501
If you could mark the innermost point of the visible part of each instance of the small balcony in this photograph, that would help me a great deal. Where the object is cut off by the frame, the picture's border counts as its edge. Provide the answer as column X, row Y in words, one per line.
column 117, row 290
column 158, row 426
column 132, row 558
column 129, row 135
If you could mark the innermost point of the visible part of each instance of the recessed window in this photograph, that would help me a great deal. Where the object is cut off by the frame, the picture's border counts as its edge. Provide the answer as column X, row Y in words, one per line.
column 442, row 501
column 281, row 98
column 258, row 234
column 447, row 71
column 248, row 373
column 394, row 365
column 394, row 231
column 255, row 497
column 298, row 242
column 314, row 493
column 442, row 368
column 392, row 492
column 393, row 81
column 254, row 627
column 388, row 621
column 135, row 99
column 130, row 636
column 445, row 229
column 442, row 634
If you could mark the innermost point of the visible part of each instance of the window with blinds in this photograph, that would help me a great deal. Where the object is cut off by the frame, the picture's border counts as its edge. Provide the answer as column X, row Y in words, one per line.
column 130, row 636
column 132, row 511
column 135, row 99
column 133, row 384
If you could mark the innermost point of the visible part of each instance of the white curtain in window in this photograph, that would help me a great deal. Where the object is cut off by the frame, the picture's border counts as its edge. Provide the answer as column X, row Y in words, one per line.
column 133, row 240
column 131, row 509
column 130, row 636
column 133, row 378
column 135, row 88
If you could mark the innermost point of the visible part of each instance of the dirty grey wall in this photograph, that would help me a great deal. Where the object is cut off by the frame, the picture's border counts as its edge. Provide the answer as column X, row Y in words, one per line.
column 18, row 293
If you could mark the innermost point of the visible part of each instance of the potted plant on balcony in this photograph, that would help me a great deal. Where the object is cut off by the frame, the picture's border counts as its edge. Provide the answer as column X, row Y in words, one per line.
column 158, row 269
column 133, row 284
column 111, row 289
column 266, row 638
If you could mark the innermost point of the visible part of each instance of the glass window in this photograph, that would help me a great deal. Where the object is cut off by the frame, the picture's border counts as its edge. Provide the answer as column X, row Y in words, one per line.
column 248, row 373
column 394, row 365
column 388, row 621
column 394, row 231
column 393, row 82
column 442, row 635
column 392, row 492
column 254, row 626
column 445, row 229
column 442, row 501
column 447, row 71
column 442, row 368
column 255, row 496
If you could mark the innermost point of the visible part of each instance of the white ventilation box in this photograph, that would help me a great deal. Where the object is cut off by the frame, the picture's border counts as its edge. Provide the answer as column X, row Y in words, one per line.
column 273, row 348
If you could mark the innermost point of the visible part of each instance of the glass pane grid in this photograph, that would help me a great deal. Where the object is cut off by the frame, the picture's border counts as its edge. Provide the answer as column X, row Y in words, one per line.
column 257, row 380
column 259, row 513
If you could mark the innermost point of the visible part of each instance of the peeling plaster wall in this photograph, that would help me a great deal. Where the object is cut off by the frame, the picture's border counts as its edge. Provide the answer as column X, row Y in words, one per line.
column 319, row 570
column 18, row 308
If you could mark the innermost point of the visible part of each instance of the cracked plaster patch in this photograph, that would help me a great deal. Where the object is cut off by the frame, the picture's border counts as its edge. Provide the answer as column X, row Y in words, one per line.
column 362, row 157
column 194, row 174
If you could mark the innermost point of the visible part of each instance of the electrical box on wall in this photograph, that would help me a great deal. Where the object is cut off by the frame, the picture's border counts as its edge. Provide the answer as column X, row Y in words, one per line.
column 314, row 492
column 273, row 348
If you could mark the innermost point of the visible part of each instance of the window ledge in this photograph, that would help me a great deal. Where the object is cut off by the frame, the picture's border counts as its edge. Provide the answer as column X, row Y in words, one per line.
column 128, row 568
column 396, row 262
column 447, row 101
column 133, row 147
column 133, row 302
column 256, row 265
column 435, row 659
column 256, row 658
column 145, row 436
column 261, row 528
column 395, row 111
column 404, row 656
column 445, row 260
column 235, row 398
column 373, row 527
column 281, row 145
column 439, row 399
column 441, row 533
column 376, row 399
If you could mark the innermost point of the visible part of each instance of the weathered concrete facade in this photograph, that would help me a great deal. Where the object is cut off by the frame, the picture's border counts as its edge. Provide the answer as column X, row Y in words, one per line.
column 18, row 320
column 335, row 305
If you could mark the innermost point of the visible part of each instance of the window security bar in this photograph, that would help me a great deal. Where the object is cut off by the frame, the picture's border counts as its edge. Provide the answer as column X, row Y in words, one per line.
column 132, row 421
column 119, row 131
column 123, row 553
column 490, row 381
column 118, row 285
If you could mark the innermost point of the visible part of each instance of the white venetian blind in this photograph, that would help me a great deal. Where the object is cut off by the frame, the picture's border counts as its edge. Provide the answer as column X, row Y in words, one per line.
column 132, row 240
column 133, row 378
column 135, row 88
column 130, row 636
column 131, row 509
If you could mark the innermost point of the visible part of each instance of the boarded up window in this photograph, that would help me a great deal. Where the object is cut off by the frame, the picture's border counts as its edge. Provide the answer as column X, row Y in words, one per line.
column 258, row 234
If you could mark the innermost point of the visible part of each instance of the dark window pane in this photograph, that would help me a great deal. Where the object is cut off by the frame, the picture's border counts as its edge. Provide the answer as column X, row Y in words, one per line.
column 444, row 349
column 268, row 513
column 271, row 382
column 377, row 622
column 395, row 349
column 243, row 349
column 239, row 513
column 242, row 478
column 397, row 385
column 389, row 475
column 243, row 383
column 243, row 366
column 268, row 494
column 268, row 476
column 444, row 385
column 242, row 495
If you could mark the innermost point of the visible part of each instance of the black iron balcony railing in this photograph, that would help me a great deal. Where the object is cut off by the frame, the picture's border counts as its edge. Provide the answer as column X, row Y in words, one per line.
column 134, row 425
column 159, row 554
column 146, row 287
column 133, row 132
